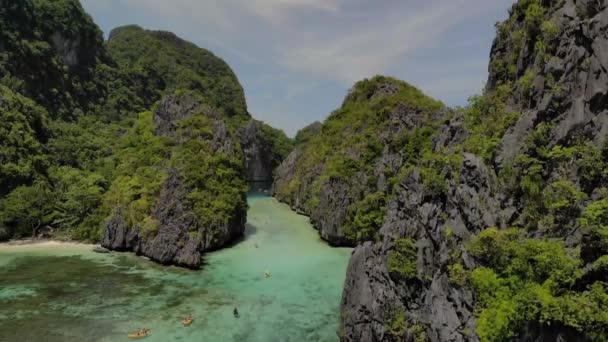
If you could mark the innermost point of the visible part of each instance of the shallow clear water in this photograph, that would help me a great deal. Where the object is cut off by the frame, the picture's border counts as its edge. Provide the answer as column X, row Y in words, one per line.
column 72, row 294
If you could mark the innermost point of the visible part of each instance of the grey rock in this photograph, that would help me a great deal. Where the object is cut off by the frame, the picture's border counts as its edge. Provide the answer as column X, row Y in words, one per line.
column 452, row 133
column 579, row 68
column 44, row 232
column 68, row 49
column 259, row 156
column 173, row 243
column 514, row 140
column 444, row 310
column 329, row 218
column 172, row 109
column 368, row 292
column 118, row 236
column 101, row 250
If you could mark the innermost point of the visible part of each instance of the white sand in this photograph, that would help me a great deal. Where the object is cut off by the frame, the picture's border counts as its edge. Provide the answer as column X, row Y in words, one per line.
column 40, row 244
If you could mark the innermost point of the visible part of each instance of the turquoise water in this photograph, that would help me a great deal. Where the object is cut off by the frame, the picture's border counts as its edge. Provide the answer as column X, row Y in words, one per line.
column 72, row 294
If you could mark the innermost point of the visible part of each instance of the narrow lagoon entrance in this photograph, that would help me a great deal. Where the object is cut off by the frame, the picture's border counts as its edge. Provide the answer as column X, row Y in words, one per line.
column 72, row 294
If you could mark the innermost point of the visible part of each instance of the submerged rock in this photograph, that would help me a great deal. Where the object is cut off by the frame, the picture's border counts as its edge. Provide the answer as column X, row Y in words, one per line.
column 100, row 249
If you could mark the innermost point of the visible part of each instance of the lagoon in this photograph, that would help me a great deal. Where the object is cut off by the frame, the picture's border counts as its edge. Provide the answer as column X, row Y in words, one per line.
column 69, row 293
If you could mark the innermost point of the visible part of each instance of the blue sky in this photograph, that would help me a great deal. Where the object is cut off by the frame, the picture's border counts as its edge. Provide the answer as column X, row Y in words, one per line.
column 297, row 59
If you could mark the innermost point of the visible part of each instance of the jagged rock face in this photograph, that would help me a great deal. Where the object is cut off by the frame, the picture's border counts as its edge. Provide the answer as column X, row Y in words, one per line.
column 174, row 242
column 174, row 109
column 569, row 87
column 258, row 153
column 67, row 49
column 285, row 174
column 264, row 148
column 329, row 217
column 470, row 205
column 367, row 291
column 334, row 198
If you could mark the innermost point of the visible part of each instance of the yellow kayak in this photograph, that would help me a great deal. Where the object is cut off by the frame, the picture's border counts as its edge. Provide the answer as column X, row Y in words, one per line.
column 188, row 321
column 139, row 335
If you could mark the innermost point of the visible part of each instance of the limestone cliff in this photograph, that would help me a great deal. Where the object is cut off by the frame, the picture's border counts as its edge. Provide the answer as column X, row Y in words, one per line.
column 264, row 148
column 340, row 171
column 546, row 95
column 205, row 148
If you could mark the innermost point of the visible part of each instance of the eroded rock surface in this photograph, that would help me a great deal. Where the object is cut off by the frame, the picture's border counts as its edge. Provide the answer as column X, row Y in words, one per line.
column 181, row 238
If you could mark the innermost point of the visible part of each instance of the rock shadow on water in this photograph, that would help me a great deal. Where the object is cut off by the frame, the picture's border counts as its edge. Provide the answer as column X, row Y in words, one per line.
column 250, row 230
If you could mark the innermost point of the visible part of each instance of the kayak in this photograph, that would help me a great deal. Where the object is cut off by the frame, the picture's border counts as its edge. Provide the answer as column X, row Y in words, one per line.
column 138, row 335
column 187, row 322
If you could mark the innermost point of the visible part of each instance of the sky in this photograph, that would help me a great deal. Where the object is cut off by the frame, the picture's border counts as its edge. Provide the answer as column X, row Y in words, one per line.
column 296, row 59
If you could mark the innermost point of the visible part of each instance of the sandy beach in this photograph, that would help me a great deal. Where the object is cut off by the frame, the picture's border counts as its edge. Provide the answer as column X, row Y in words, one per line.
column 25, row 244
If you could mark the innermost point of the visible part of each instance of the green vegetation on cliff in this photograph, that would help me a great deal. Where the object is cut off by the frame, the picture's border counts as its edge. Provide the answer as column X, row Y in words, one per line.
column 53, row 53
column 347, row 148
column 524, row 280
column 157, row 63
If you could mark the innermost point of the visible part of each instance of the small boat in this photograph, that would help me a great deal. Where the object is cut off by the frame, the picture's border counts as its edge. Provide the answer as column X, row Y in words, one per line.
column 139, row 334
column 266, row 274
column 187, row 321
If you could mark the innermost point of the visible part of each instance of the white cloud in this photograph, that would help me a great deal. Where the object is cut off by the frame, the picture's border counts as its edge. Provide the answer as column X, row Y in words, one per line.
column 371, row 49
column 97, row 5
column 231, row 15
column 278, row 10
